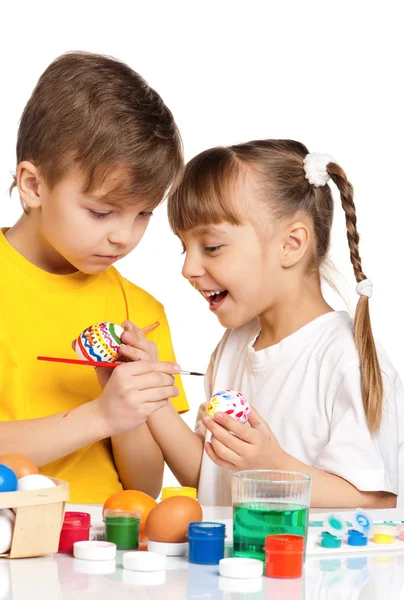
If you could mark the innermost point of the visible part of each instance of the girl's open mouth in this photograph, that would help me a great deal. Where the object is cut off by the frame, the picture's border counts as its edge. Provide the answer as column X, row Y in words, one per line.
column 215, row 298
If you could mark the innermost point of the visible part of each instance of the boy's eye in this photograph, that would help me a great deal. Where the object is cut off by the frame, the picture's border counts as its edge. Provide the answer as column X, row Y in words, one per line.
column 100, row 215
column 146, row 214
column 212, row 249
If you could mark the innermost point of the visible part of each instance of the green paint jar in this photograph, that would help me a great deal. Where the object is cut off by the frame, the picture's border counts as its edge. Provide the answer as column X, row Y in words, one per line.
column 122, row 528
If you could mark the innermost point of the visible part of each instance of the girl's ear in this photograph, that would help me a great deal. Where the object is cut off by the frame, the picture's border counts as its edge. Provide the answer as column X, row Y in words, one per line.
column 28, row 183
column 296, row 240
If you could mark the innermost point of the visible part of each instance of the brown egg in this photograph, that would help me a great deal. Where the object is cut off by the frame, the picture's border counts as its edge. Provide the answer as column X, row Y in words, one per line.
column 20, row 464
column 168, row 521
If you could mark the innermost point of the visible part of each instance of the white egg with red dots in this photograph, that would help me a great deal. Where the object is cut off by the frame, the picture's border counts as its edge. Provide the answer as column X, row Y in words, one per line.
column 230, row 402
column 35, row 482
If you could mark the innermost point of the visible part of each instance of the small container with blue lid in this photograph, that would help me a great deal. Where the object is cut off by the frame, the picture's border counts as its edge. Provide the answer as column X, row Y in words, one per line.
column 206, row 542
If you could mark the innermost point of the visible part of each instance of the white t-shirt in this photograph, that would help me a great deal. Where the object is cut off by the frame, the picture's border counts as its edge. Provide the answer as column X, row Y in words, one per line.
column 308, row 389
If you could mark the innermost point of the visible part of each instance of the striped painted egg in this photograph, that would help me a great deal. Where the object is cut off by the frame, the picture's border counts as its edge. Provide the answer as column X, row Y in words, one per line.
column 100, row 342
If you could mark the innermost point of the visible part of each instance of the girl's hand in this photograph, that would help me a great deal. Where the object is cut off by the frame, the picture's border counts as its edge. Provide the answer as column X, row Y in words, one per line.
column 253, row 447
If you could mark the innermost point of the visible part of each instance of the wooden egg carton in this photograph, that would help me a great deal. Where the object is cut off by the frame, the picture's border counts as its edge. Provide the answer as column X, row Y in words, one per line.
column 38, row 520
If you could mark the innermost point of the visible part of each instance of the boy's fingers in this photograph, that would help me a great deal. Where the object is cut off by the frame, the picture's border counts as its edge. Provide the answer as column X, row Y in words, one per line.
column 141, row 367
column 135, row 339
column 129, row 326
column 132, row 353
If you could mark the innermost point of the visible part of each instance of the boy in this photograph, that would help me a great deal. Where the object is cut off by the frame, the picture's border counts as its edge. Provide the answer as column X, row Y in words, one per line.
column 97, row 150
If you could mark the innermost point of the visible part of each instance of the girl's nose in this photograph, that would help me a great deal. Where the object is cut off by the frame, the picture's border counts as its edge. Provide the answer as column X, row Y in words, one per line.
column 192, row 268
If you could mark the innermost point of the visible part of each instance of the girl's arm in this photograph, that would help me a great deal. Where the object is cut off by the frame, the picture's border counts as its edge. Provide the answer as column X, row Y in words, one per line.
column 331, row 491
column 256, row 447
column 181, row 447
column 139, row 460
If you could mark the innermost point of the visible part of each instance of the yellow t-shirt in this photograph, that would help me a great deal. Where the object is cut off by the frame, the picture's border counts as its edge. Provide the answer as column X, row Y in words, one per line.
column 40, row 314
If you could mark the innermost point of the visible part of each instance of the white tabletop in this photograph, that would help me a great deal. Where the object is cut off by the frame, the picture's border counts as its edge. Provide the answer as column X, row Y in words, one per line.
column 376, row 576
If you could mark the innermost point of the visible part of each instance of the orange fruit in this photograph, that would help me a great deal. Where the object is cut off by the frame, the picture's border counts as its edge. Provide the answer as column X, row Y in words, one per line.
column 132, row 500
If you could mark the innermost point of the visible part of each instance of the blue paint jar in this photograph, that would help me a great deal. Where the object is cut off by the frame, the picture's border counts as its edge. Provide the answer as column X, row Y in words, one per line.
column 206, row 542
column 356, row 538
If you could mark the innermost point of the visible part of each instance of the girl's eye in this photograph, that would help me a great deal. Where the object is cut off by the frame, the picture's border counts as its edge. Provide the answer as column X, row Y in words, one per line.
column 146, row 214
column 212, row 249
column 99, row 215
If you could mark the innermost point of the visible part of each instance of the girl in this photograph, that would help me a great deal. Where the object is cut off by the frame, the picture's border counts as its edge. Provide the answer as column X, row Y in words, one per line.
column 255, row 222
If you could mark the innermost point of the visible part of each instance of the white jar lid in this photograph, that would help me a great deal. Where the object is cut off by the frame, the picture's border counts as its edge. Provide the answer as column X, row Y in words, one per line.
column 180, row 549
column 143, row 561
column 241, row 568
column 94, row 550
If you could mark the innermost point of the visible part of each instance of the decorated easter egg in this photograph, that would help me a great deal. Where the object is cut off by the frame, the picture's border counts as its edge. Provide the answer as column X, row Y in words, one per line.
column 100, row 342
column 6, row 531
column 34, row 482
column 20, row 464
column 232, row 403
column 8, row 479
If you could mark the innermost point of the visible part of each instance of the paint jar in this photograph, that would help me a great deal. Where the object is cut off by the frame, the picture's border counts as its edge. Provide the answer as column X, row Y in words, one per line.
column 284, row 556
column 328, row 540
column 122, row 528
column 169, row 492
column 75, row 528
column 356, row 538
column 206, row 542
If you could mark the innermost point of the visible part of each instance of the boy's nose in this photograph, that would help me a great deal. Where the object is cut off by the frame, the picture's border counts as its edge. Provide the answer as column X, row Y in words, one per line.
column 119, row 237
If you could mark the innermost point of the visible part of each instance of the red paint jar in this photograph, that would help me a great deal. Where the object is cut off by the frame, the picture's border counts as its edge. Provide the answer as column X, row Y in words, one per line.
column 284, row 556
column 75, row 528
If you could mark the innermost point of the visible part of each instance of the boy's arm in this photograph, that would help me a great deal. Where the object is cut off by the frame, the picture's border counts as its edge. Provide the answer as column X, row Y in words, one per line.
column 48, row 438
column 133, row 393
column 144, row 471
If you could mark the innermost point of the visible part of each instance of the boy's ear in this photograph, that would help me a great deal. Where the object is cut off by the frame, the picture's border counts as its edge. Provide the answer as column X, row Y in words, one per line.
column 296, row 240
column 28, row 183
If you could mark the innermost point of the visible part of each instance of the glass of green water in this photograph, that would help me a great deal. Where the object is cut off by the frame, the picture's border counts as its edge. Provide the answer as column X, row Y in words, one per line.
column 268, row 503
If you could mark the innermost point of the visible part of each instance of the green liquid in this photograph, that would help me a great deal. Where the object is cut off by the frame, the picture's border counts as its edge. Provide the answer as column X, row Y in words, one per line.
column 252, row 522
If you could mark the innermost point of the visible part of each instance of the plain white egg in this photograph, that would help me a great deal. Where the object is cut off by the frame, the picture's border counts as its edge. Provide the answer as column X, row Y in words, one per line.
column 34, row 482
column 6, row 531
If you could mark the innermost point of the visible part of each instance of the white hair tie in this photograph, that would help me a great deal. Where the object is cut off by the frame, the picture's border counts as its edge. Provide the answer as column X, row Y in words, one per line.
column 315, row 168
column 365, row 288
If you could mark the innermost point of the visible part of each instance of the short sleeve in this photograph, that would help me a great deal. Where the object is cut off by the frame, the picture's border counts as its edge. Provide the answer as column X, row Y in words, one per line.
column 369, row 463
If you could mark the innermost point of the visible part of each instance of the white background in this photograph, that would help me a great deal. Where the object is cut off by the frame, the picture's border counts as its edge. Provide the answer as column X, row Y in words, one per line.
column 326, row 73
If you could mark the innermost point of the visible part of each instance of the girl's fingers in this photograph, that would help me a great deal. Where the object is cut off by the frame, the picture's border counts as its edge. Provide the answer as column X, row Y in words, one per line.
column 215, row 458
column 224, row 452
column 223, row 435
column 241, row 430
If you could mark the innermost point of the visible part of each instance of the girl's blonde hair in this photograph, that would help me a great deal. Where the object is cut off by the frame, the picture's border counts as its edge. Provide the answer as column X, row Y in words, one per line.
column 205, row 196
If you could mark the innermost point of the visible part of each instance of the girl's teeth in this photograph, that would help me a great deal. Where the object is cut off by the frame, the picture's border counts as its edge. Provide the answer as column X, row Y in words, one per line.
column 207, row 294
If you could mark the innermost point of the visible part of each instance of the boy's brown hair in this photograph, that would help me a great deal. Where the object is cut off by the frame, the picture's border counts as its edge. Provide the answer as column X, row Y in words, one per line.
column 95, row 112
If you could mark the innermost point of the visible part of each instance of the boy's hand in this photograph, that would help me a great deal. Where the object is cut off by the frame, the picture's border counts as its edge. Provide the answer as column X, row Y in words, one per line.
column 135, row 346
column 135, row 391
column 253, row 447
